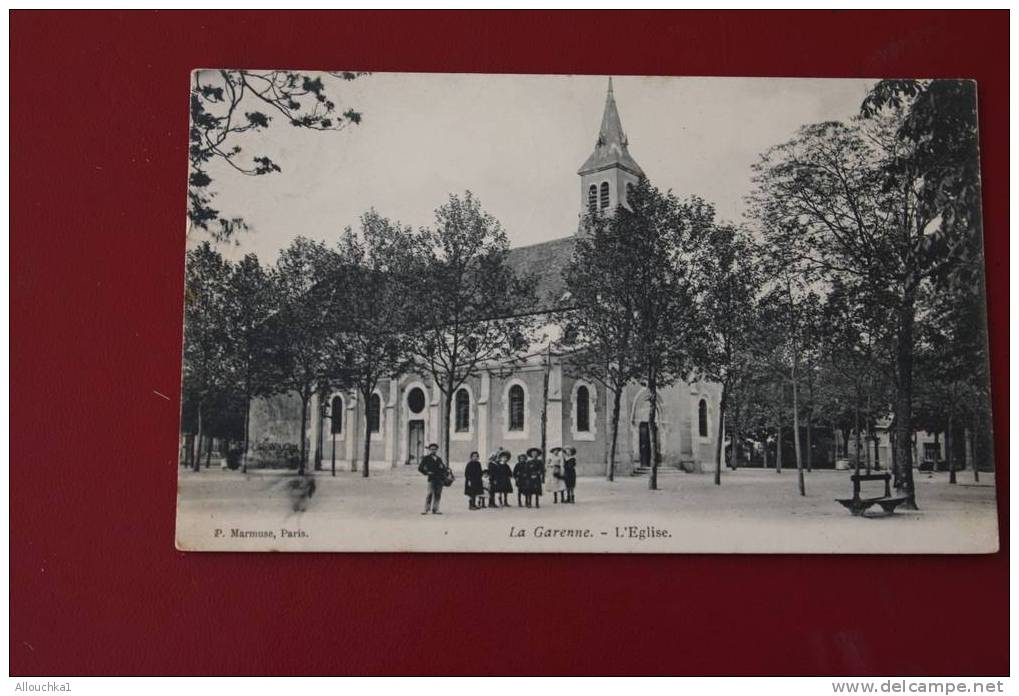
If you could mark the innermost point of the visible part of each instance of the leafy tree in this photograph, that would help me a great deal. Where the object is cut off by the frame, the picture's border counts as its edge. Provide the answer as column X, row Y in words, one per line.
column 937, row 125
column 729, row 280
column 952, row 363
column 598, row 325
column 302, row 342
column 381, row 266
column 846, row 201
column 858, row 350
column 249, row 303
column 226, row 104
column 471, row 307
column 662, row 231
column 206, row 338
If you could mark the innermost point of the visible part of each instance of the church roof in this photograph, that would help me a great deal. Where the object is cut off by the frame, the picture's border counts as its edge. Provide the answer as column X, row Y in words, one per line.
column 612, row 146
column 546, row 262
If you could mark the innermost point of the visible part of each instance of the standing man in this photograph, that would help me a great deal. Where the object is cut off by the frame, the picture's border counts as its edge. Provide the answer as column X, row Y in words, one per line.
column 434, row 468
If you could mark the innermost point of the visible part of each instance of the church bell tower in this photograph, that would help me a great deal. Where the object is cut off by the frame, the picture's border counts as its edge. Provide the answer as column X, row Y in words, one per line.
column 610, row 170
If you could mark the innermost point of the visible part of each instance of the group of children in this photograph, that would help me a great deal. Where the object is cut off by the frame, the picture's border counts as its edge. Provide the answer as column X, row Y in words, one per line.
column 530, row 474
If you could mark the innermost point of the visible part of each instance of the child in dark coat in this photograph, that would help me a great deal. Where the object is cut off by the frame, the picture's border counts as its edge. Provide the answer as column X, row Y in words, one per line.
column 520, row 476
column 503, row 482
column 570, row 473
column 535, row 477
column 474, row 485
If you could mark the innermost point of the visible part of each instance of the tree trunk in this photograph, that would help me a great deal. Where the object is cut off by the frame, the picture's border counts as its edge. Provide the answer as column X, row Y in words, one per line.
column 973, row 453
column 796, row 436
column 778, row 425
column 197, row 460
column 870, row 434
column 320, row 419
column 719, row 445
column 208, row 450
column 447, row 415
column 810, row 439
column 856, row 427
column 735, row 437
column 810, row 426
column 778, row 449
column 892, row 438
column 367, row 433
column 904, row 398
column 544, row 408
column 247, row 419
column 949, row 441
column 652, row 422
column 967, row 455
column 616, row 399
column 304, row 424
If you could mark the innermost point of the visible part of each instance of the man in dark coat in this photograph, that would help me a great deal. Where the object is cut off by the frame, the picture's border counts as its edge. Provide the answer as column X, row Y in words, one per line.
column 434, row 468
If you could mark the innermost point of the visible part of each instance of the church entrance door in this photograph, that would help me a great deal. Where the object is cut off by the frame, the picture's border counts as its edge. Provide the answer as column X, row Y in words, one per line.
column 644, row 432
column 415, row 441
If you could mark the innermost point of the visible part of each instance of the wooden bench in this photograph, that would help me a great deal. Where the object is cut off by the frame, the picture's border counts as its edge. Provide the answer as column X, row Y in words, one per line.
column 857, row 505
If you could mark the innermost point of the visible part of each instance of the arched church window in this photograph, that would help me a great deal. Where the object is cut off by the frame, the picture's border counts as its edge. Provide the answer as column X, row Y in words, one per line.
column 702, row 418
column 463, row 411
column 629, row 193
column 374, row 413
column 516, row 407
column 336, row 415
column 583, row 410
column 592, row 198
column 605, row 194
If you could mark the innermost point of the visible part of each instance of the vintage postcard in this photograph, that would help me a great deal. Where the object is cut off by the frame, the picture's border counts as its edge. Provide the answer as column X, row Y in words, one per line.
column 523, row 313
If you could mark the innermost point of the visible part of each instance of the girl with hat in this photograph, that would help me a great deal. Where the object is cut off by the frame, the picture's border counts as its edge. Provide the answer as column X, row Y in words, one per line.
column 554, row 475
column 473, row 484
column 570, row 473
column 492, row 472
column 535, row 477
column 500, row 478
column 520, row 476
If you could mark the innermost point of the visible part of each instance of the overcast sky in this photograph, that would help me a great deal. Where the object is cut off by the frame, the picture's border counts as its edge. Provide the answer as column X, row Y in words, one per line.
column 516, row 142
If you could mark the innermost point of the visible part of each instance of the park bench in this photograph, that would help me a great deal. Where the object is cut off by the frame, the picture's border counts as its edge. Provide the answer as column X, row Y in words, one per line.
column 858, row 505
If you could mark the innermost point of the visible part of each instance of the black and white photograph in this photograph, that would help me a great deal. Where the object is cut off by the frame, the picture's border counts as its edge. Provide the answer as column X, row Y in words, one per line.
column 575, row 314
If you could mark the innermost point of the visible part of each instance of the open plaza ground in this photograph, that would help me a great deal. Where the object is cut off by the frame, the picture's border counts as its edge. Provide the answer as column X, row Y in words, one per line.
column 753, row 511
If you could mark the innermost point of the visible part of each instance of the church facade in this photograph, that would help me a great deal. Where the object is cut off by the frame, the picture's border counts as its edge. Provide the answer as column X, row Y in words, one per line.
column 502, row 406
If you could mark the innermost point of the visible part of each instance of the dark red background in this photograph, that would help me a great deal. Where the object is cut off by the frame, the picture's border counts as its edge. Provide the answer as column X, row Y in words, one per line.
column 98, row 136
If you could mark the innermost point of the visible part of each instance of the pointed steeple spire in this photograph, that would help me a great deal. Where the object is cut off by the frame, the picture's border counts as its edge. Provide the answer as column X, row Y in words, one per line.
column 611, row 147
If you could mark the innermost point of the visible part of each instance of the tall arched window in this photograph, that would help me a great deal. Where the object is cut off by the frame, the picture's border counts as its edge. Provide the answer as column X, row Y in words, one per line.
column 374, row 412
column 463, row 411
column 605, row 194
column 702, row 418
column 516, row 407
column 336, row 415
column 592, row 198
column 583, row 410
column 629, row 193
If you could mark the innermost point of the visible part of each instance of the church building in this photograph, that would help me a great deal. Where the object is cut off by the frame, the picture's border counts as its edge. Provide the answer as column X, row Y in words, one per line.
column 502, row 406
